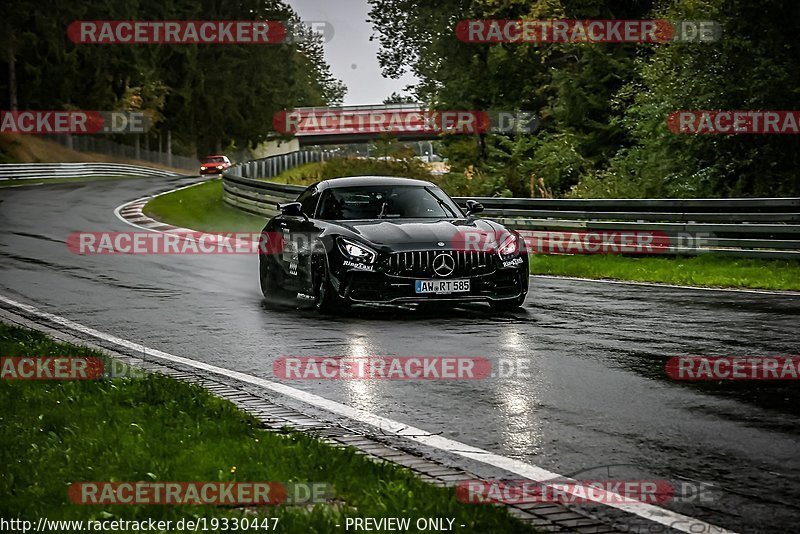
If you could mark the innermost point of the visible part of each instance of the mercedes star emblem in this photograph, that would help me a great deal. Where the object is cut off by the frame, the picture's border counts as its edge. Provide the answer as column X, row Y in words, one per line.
column 444, row 265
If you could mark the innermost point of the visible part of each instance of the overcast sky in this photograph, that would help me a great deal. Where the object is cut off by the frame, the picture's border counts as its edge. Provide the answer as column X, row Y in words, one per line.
column 351, row 55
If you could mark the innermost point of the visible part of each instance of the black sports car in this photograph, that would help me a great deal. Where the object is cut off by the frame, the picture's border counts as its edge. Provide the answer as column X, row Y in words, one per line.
column 375, row 239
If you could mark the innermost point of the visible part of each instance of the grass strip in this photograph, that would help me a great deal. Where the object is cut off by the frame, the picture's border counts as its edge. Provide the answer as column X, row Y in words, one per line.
column 155, row 428
column 707, row 270
column 201, row 208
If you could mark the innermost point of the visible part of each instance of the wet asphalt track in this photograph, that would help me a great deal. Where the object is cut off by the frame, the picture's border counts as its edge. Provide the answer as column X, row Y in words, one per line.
column 598, row 395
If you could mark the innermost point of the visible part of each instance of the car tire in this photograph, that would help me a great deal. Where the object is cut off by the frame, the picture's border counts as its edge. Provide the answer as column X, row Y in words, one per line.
column 508, row 305
column 270, row 285
column 326, row 300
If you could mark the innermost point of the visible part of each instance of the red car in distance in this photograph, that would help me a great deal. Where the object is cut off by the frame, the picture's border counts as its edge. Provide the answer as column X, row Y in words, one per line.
column 214, row 165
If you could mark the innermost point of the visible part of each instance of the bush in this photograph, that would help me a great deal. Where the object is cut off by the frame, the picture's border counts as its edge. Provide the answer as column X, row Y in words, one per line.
column 407, row 167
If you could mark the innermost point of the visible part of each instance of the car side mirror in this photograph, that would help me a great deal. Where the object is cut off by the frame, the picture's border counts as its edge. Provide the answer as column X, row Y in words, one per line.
column 473, row 206
column 292, row 209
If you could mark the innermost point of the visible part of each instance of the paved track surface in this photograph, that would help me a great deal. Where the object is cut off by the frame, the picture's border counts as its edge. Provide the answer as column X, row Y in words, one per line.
column 597, row 404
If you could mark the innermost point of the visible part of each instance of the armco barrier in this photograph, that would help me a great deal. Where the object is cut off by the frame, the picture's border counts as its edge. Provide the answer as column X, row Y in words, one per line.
column 100, row 145
column 38, row 171
column 742, row 227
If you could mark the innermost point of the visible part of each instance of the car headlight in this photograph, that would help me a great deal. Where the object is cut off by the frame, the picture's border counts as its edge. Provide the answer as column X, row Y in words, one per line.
column 509, row 247
column 220, row 166
column 356, row 251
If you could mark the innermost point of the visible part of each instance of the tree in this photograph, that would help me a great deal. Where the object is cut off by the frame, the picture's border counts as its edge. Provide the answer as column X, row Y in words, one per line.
column 603, row 107
column 397, row 98
column 206, row 95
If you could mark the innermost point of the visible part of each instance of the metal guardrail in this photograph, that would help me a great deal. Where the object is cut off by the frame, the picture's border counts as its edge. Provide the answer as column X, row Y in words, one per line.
column 99, row 145
column 742, row 227
column 274, row 165
column 38, row 171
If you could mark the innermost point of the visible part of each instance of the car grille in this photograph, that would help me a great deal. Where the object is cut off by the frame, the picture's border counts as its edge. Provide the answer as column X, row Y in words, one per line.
column 419, row 263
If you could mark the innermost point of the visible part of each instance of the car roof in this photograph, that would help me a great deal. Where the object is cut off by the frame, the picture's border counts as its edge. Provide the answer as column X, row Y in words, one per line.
column 355, row 181
column 215, row 156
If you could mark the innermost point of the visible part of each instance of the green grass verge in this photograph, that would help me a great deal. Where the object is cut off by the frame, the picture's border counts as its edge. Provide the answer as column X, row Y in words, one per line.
column 159, row 429
column 707, row 270
column 200, row 207
column 11, row 183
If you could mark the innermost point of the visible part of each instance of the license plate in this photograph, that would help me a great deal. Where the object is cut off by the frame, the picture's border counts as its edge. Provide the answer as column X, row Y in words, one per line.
column 441, row 287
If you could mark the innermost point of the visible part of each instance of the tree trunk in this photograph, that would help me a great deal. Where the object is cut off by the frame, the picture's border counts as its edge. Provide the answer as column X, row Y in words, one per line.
column 482, row 146
column 12, row 78
column 169, row 148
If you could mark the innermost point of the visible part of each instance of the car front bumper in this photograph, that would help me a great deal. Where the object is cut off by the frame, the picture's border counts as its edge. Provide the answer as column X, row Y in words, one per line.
column 358, row 286
column 211, row 171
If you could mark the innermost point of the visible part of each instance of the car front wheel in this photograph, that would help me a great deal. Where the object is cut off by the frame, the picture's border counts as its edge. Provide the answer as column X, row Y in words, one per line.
column 326, row 300
column 270, row 285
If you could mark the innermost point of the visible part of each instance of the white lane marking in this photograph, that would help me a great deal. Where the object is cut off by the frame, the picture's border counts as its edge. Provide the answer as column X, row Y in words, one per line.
column 141, row 202
column 786, row 293
column 22, row 185
column 125, row 219
column 656, row 514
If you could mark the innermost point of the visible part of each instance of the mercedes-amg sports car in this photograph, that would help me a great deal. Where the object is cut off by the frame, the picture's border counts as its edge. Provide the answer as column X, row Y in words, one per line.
column 376, row 239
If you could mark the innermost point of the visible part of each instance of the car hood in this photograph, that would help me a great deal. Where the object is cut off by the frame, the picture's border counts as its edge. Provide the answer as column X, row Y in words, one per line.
column 415, row 234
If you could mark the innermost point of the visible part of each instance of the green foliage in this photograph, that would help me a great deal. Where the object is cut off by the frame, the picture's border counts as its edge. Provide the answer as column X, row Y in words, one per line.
column 208, row 96
column 753, row 66
column 409, row 167
column 603, row 107
column 398, row 162
column 472, row 182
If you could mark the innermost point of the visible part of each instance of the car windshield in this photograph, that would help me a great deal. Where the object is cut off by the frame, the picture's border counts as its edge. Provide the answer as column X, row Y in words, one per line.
column 215, row 160
column 386, row 202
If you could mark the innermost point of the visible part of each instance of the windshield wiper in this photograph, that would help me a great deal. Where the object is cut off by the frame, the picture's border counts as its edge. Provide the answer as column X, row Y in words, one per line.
column 442, row 203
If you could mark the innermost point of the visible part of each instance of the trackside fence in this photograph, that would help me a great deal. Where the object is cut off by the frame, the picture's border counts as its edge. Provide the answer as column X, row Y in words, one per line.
column 38, row 171
column 99, row 145
column 742, row 227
